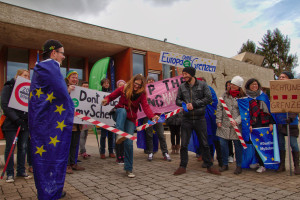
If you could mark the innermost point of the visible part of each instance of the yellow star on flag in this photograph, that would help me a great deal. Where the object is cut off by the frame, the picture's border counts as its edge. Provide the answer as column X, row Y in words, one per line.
column 50, row 97
column 245, row 119
column 61, row 125
column 30, row 95
column 54, row 140
column 268, row 132
column 246, row 113
column 266, row 157
column 215, row 113
column 257, row 139
column 39, row 92
column 272, row 159
column 247, row 124
column 59, row 109
column 211, row 103
column 261, row 135
column 256, row 146
column 40, row 150
column 154, row 131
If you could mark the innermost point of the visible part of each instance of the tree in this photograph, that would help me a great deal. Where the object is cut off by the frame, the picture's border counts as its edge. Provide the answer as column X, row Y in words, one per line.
column 249, row 46
column 275, row 48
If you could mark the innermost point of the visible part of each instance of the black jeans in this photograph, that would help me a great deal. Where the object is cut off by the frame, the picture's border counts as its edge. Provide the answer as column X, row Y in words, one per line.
column 199, row 126
column 73, row 148
column 21, row 154
column 175, row 134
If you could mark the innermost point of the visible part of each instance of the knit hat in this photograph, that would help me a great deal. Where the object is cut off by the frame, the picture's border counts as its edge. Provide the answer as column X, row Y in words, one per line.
column 190, row 70
column 51, row 45
column 289, row 74
column 238, row 81
column 71, row 72
column 120, row 81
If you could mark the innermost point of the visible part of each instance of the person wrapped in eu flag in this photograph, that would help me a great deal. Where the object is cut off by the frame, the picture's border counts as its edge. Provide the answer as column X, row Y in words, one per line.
column 50, row 113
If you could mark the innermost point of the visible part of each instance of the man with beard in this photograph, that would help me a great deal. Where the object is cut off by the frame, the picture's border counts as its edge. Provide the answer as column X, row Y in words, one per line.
column 196, row 95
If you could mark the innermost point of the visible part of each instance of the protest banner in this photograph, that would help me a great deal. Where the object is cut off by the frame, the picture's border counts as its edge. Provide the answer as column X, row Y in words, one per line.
column 88, row 102
column 161, row 95
column 20, row 94
column 285, row 96
column 181, row 60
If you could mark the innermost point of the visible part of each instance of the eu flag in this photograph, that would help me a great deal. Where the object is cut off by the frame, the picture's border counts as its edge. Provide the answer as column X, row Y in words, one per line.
column 50, row 113
column 265, row 145
column 210, row 116
column 141, row 138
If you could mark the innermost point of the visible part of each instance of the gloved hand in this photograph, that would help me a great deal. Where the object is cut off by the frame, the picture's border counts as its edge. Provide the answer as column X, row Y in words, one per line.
column 22, row 124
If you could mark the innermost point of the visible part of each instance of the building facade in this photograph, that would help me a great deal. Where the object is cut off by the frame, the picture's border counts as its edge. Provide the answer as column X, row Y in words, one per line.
column 24, row 31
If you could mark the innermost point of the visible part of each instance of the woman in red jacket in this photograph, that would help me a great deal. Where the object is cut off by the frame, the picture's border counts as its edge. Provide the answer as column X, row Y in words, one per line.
column 132, row 94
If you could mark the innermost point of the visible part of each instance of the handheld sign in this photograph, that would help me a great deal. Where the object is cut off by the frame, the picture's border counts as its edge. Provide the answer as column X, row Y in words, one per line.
column 88, row 102
column 285, row 96
column 20, row 94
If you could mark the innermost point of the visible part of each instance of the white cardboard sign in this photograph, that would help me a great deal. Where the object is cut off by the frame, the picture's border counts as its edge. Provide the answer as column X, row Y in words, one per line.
column 20, row 94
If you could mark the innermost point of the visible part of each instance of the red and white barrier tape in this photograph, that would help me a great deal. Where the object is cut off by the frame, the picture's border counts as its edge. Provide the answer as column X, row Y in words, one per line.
column 144, row 126
column 235, row 127
column 107, row 127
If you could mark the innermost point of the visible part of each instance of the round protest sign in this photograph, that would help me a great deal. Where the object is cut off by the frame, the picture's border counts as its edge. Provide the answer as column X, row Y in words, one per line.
column 22, row 93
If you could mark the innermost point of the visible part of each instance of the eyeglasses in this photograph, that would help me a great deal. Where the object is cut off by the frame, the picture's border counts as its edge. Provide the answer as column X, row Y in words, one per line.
column 63, row 53
column 137, row 85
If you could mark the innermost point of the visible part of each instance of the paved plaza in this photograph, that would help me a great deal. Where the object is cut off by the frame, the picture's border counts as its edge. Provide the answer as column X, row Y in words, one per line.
column 105, row 179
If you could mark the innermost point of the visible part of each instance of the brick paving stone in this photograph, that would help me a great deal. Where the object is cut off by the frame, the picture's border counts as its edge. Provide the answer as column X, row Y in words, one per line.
column 27, row 194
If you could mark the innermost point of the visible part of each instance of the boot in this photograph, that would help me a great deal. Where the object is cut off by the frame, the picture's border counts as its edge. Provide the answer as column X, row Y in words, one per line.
column 177, row 149
column 173, row 149
column 282, row 162
column 179, row 171
column 296, row 162
column 213, row 170
column 238, row 170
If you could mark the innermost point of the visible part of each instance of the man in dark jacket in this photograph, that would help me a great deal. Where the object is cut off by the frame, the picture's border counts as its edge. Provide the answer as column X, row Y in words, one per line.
column 196, row 95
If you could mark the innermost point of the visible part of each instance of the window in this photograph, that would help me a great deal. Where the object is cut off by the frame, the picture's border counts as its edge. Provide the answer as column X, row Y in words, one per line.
column 167, row 71
column 138, row 64
column 16, row 59
column 155, row 76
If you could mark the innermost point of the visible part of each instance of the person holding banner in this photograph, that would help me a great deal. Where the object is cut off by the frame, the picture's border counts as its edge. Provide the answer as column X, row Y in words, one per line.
column 282, row 121
column 120, row 147
column 259, row 112
column 14, row 119
column 105, row 84
column 196, row 95
column 132, row 95
column 159, row 129
column 225, row 128
column 72, row 80
column 84, row 131
column 50, row 117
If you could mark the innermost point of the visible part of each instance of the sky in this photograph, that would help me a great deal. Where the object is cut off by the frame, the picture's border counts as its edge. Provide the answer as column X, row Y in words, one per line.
column 216, row 26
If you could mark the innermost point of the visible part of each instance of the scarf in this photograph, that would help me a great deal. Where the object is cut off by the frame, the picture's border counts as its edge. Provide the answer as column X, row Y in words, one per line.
column 234, row 93
column 253, row 94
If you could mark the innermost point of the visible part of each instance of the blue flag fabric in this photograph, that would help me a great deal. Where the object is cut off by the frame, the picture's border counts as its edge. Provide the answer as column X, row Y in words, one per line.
column 262, row 140
column 141, row 138
column 51, row 114
column 210, row 116
column 249, row 153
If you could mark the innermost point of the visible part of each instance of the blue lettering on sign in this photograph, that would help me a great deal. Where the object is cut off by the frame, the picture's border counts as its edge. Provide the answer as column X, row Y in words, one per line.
column 163, row 56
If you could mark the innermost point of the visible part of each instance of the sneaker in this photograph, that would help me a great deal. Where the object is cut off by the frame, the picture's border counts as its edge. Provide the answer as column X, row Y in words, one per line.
column 130, row 174
column 24, row 175
column 254, row 166
column 261, row 169
column 10, row 179
column 150, row 156
column 167, row 157
column 230, row 159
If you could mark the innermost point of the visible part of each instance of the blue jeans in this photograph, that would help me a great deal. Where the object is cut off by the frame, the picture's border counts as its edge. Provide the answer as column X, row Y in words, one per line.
column 123, row 124
column 238, row 151
column 281, row 143
column 110, row 135
column 21, row 154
